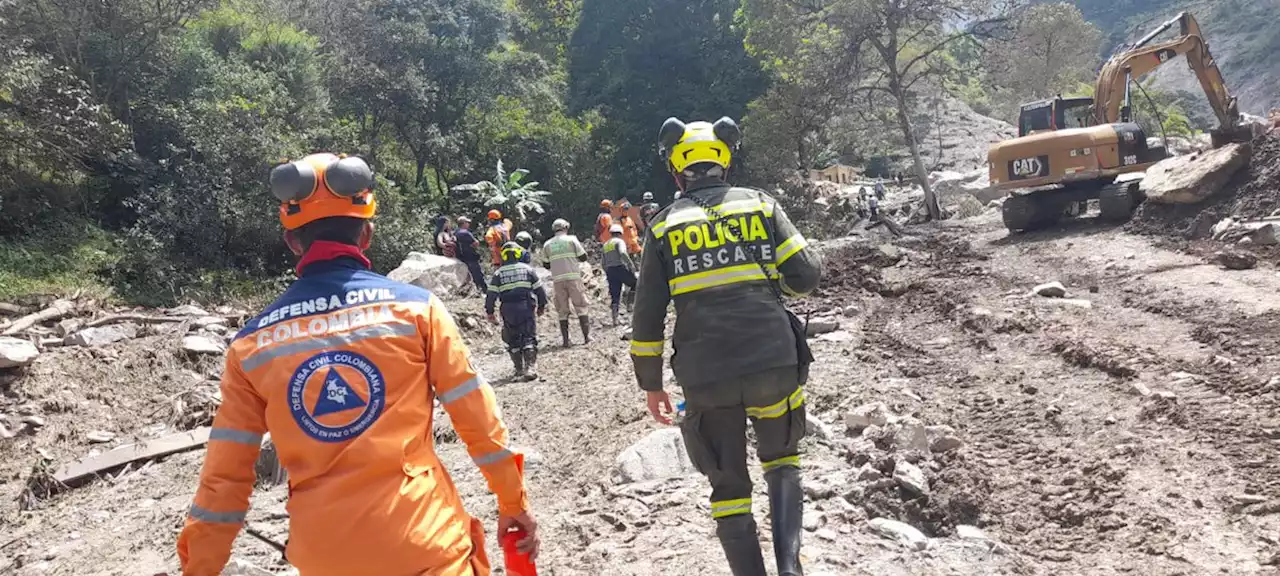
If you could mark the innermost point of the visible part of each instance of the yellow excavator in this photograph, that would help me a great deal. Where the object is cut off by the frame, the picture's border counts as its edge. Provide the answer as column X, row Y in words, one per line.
column 1070, row 150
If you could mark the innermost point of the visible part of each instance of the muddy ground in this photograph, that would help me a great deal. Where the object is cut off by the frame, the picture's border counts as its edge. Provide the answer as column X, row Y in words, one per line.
column 1137, row 435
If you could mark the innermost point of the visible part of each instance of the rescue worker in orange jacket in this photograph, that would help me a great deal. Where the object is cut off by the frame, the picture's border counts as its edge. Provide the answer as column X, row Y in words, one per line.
column 630, row 234
column 342, row 371
column 499, row 233
column 604, row 221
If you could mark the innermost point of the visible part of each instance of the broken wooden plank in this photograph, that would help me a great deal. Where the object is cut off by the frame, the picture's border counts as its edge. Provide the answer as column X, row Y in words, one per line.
column 81, row 470
column 57, row 310
column 12, row 309
column 139, row 318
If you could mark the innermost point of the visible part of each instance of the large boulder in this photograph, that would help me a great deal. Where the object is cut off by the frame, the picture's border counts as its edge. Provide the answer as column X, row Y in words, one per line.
column 1194, row 178
column 15, row 352
column 659, row 455
column 441, row 275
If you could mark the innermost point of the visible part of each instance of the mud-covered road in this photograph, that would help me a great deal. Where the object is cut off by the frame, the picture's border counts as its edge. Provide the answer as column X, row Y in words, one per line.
column 1130, row 428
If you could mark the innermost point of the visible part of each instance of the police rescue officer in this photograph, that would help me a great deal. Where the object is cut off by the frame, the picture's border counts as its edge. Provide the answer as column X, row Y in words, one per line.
column 516, row 284
column 343, row 370
column 715, row 251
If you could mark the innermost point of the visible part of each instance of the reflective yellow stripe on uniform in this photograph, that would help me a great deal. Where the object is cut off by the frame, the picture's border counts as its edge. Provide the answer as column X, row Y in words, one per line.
column 713, row 278
column 514, row 285
column 730, row 507
column 784, row 461
column 790, row 248
column 639, row 348
column 777, row 409
column 696, row 213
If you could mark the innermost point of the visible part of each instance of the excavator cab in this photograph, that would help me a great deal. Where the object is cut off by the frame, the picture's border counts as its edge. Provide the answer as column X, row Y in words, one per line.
column 1055, row 114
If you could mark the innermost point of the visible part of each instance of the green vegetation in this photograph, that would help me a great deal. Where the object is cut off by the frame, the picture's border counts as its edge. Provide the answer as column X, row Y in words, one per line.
column 138, row 134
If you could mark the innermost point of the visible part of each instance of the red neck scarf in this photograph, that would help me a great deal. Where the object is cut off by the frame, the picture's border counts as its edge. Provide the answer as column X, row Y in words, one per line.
column 322, row 250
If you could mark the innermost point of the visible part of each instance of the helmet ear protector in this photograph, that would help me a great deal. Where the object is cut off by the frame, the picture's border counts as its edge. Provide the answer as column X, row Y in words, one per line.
column 323, row 186
column 297, row 181
column 670, row 134
column 727, row 131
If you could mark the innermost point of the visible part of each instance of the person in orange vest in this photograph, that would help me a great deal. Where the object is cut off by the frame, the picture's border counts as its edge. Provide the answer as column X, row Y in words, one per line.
column 604, row 221
column 343, row 371
column 499, row 233
column 629, row 233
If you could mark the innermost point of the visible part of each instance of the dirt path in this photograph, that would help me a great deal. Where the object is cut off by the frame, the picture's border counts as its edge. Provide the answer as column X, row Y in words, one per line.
column 1139, row 435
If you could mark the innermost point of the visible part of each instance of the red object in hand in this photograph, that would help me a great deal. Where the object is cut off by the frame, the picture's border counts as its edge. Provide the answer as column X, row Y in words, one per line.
column 517, row 563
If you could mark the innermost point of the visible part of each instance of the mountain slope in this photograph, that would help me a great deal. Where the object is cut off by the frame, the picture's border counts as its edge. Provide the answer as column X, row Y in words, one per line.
column 1243, row 36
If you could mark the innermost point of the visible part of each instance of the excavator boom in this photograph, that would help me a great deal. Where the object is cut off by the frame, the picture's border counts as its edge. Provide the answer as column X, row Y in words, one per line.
column 1111, row 93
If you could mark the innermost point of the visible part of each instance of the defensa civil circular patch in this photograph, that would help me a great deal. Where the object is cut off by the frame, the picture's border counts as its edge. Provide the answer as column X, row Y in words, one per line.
column 336, row 396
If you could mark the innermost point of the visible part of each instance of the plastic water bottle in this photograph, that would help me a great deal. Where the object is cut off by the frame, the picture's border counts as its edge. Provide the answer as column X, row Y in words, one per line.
column 679, row 411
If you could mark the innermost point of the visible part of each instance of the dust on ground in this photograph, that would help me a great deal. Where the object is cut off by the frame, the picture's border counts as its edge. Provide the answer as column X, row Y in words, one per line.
column 1137, row 435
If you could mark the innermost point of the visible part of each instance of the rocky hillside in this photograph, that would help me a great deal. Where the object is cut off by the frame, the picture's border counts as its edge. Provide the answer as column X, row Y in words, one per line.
column 1243, row 35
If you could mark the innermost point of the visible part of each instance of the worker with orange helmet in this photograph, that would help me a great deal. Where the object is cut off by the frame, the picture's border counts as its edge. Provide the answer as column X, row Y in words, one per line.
column 604, row 221
column 499, row 233
column 342, row 371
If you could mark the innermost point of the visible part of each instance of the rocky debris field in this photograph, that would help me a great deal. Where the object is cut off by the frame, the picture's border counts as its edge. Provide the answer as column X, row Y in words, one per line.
column 1079, row 400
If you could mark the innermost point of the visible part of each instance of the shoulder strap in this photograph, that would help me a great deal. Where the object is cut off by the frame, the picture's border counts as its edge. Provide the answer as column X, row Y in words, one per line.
column 713, row 216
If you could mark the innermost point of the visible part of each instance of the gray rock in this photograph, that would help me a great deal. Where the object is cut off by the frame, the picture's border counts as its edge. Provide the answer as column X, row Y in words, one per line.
column 659, row 455
column 966, row 532
column 817, row 428
column 202, row 345
column 268, row 468
column 851, row 311
column 837, row 336
column 873, row 414
column 439, row 274
column 103, row 335
column 910, row 478
column 241, row 567
column 904, row 533
column 868, row 473
column 67, row 326
column 818, row 326
column 945, row 443
column 1139, row 388
column 1193, row 178
column 911, row 435
column 16, row 352
column 811, row 522
column 889, row 251
column 1235, row 259
column 826, row 534
column 207, row 321
column 33, row 421
column 1050, row 290
column 187, row 310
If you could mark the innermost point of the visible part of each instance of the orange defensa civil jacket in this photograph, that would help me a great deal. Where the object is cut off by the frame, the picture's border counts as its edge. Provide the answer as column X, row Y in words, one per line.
column 343, row 371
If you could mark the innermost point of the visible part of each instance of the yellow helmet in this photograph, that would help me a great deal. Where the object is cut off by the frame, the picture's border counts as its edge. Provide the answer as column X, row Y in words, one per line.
column 687, row 144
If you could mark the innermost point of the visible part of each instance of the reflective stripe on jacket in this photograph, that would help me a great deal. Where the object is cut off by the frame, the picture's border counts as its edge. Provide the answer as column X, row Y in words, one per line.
column 516, row 283
column 561, row 254
column 728, row 320
column 343, row 371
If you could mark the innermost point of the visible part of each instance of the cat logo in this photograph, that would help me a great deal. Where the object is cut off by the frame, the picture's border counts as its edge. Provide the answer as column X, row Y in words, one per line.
column 1024, row 168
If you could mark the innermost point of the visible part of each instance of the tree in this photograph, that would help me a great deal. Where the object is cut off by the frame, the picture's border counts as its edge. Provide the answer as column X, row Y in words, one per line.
column 1052, row 50
column 907, row 41
column 509, row 193
column 639, row 62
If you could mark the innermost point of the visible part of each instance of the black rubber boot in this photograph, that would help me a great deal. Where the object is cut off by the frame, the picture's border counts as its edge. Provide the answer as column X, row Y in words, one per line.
column 564, row 332
column 531, row 364
column 585, row 322
column 786, row 506
column 741, row 545
column 613, row 311
column 518, row 360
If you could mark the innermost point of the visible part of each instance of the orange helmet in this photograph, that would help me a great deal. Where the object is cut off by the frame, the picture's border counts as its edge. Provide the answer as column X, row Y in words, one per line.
column 606, row 203
column 323, row 186
column 495, row 215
